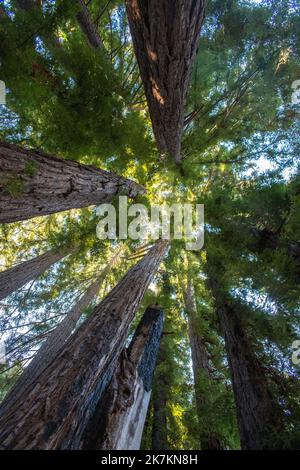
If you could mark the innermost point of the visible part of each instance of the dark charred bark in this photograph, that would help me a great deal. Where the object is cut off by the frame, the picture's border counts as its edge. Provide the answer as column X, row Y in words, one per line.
column 34, row 184
column 16, row 277
column 120, row 418
column 88, row 27
column 257, row 413
column 58, row 408
column 209, row 440
column 159, row 403
column 165, row 35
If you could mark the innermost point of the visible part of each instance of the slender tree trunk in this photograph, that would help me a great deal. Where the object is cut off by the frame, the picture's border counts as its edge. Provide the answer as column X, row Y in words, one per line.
column 34, row 184
column 13, row 278
column 159, row 402
column 120, row 418
column 257, row 413
column 209, row 439
column 165, row 35
column 88, row 27
column 58, row 409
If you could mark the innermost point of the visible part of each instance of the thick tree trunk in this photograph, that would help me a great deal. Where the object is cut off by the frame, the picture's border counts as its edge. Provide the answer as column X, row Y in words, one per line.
column 256, row 411
column 58, row 409
column 34, row 184
column 119, row 420
column 159, row 402
column 209, row 440
column 165, row 35
column 88, row 27
column 16, row 277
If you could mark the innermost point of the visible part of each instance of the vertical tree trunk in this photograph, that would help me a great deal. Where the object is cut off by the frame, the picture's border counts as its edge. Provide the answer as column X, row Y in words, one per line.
column 257, row 413
column 34, row 184
column 88, row 27
column 16, row 277
column 165, row 35
column 119, row 420
column 209, row 440
column 58, row 409
column 159, row 402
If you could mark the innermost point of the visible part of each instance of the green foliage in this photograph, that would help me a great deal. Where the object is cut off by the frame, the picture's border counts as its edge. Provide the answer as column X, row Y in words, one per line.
column 68, row 99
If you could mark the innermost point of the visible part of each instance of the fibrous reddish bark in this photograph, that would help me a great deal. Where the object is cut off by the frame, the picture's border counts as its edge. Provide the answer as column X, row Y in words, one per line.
column 257, row 413
column 119, row 421
column 17, row 276
column 58, row 408
column 165, row 35
column 44, row 184
column 88, row 27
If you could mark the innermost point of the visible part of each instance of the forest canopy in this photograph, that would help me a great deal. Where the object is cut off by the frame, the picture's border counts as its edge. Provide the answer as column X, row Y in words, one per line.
column 167, row 105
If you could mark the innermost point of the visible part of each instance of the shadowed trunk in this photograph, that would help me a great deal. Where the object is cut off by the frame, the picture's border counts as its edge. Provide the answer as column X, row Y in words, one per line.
column 159, row 402
column 13, row 278
column 88, row 27
column 58, row 409
column 209, row 440
column 165, row 35
column 266, row 239
column 34, row 184
column 256, row 410
column 119, row 420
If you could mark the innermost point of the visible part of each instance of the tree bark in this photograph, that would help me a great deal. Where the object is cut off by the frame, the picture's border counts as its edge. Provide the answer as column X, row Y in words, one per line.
column 34, row 184
column 119, row 420
column 256, row 410
column 88, row 27
column 58, row 409
column 159, row 402
column 13, row 278
column 57, row 339
column 208, row 438
column 165, row 35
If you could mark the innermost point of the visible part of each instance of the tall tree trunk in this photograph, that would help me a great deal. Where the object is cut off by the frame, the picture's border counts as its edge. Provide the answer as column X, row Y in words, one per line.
column 57, row 410
column 165, row 35
column 13, row 278
column 34, row 184
column 57, row 339
column 120, row 418
column 88, row 27
column 257, row 413
column 159, row 403
column 209, row 439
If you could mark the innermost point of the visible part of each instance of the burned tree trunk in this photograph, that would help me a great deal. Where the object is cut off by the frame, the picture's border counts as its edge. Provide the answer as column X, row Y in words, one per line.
column 209, row 439
column 119, row 420
column 58, row 408
column 34, row 184
column 88, row 27
column 257, row 413
column 165, row 35
column 16, row 277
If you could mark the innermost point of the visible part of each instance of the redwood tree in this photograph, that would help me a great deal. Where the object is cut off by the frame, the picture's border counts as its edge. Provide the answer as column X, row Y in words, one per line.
column 165, row 35
column 34, row 184
column 119, row 420
column 58, row 408
column 13, row 278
